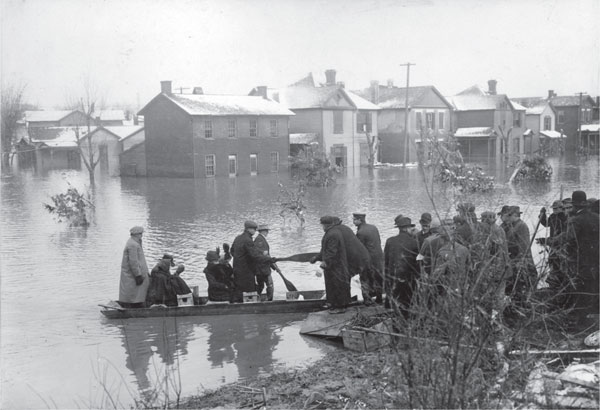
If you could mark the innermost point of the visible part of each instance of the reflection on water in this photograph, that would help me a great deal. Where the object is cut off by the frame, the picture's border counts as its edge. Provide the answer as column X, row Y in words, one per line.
column 53, row 276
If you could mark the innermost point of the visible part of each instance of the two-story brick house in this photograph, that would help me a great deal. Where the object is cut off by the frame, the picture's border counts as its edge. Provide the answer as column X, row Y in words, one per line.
column 198, row 135
column 428, row 117
column 339, row 119
column 486, row 124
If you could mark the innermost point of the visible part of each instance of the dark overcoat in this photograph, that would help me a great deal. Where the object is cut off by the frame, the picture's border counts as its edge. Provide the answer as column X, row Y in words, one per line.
column 401, row 257
column 368, row 235
column 220, row 281
column 245, row 258
column 336, row 274
column 357, row 256
column 262, row 268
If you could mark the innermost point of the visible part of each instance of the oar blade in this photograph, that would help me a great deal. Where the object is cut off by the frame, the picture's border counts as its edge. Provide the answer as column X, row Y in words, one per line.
column 299, row 257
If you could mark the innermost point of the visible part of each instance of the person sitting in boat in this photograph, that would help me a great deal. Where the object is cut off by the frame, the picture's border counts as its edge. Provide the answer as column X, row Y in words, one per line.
column 164, row 286
column 219, row 275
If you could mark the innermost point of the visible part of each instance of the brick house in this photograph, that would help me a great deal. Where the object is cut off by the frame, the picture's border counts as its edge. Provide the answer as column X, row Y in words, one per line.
column 198, row 135
column 338, row 120
column 486, row 124
column 429, row 114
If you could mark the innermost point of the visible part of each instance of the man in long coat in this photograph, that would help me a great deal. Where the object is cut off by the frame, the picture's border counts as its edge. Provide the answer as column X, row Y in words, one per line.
column 519, row 252
column 263, row 269
column 134, row 280
column 245, row 257
column 372, row 278
column 401, row 269
column 581, row 240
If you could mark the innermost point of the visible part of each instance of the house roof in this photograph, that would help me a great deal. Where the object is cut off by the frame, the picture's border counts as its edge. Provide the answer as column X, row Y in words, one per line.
column 306, row 81
column 477, row 98
column 552, row 134
column 395, row 97
column 568, row 101
column 590, row 127
column 303, row 96
column 517, row 107
column 65, row 137
column 536, row 109
column 475, row 132
column 303, row 138
column 45, row 116
column 125, row 131
column 222, row 105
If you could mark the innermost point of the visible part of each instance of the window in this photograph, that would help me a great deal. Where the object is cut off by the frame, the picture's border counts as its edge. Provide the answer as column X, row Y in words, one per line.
column 253, row 164
column 430, row 118
column 273, row 128
column 253, row 128
column 547, row 123
column 561, row 116
column 419, row 120
column 338, row 122
column 274, row 161
column 363, row 122
column 208, row 129
column 441, row 121
column 209, row 165
column 517, row 119
column 232, row 165
column 232, row 128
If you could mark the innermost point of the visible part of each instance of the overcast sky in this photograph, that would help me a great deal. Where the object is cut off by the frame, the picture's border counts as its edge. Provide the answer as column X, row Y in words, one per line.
column 228, row 46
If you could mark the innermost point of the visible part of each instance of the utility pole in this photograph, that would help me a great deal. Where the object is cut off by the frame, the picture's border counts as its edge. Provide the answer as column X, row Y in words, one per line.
column 406, row 113
column 579, row 121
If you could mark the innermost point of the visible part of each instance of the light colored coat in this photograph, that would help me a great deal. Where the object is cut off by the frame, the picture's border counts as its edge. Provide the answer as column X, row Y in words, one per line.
column 132, row 265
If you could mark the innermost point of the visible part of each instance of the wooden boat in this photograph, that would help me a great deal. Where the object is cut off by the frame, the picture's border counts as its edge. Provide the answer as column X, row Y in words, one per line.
column 329, row 325
column 113, row 310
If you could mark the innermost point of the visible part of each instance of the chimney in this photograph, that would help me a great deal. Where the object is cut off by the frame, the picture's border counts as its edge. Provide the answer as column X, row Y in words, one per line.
column 341, row 84
column 390, row 83
column 329, row 77
column 276, row 96
column 551, row 94
column 262, row 91
column 198, row 91
column 492, row 87
column 375, row 92
column 165, row 87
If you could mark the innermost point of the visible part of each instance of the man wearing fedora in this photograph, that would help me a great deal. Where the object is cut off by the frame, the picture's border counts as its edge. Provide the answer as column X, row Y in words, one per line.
column 581, row 242
column 263, row 269
column 134, row 272
column 164, row 287
column 524, row 278
column 372, row 278
column 401, row 270
column 245, row 258
column 425, row 231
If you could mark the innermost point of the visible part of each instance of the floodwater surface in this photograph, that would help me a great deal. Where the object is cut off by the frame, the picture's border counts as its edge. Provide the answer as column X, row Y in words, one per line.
column 58, row 351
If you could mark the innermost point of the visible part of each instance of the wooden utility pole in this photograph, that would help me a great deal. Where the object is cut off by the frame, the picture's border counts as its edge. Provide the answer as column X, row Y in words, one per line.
column 406, row 113
column 579, row 121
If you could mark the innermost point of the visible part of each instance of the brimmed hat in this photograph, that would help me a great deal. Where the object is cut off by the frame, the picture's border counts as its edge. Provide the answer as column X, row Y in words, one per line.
column 403, row 221
column 425, row 218
column 488, row 214
column 136, row 230
column 263, row 227
column 212, row 256
column 504, row 210
column 358, row 215
column 168, row 256
column 579, row 198
column 557, row 204
column 250, row 225
column 514, row 210
column 327, row 220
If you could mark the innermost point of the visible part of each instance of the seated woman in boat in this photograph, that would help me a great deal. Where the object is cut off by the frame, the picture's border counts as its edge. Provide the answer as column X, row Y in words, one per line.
column 219, row 275
column 164, row 286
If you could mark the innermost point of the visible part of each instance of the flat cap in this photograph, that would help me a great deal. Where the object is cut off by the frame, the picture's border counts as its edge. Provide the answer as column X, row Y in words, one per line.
column 263, row 227
column 358, row 215
column 327, row 220
column 250, row 224
column 136, row 230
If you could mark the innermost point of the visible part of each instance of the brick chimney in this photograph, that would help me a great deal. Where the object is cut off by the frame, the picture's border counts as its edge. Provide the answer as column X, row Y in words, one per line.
column 330, row 77
column 165, row 87
column 551, row 94
column 198, row 91
column 492, row 87
column 390, row 83
column 375, row 91
column 262, row 91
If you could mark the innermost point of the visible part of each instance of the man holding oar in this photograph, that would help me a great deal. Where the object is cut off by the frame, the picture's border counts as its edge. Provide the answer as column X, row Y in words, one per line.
column 263, row 269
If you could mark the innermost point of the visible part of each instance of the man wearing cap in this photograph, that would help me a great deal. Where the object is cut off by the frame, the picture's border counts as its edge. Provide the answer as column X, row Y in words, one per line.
column 245, row 258
column 557, row 222
column 372, row 278
column 219, row 275
column 425, row 231
column 263, row 269
column 504, row 219
column 335, row 264
column 134, row 281
column 581, row 242
column 519, row 253
column 401, row 270
column 164, row 287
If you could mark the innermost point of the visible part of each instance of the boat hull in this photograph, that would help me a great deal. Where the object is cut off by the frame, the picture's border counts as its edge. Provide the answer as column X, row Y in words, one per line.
column 272, row 307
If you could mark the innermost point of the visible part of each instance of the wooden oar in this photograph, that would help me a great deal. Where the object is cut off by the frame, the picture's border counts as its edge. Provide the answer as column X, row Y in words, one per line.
column 289, row 285
column 299, row 257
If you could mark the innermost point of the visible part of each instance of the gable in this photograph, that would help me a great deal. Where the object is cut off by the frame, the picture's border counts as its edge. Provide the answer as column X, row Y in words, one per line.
column 338, row 100
column 431, row 99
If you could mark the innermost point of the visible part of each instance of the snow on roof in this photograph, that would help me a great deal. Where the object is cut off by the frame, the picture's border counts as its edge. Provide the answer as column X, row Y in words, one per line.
column 125, row 131
column 360, row 102
column 536, row 109
column 204, row 104
column 43, row 116
column 65, row 137
column 517, row 106
column 475, row 132
column 110, row 115
column 552, row 134
column 303, row 138
column 590, row 127
column 303, row 96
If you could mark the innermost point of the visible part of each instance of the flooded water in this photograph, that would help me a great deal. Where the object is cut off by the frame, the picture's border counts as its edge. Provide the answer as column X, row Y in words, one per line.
column 58, row 351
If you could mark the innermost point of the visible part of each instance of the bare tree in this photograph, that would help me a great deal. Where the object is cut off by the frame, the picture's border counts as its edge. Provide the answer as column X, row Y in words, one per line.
column 372, row 142
column 505, row 137
column 87, row 101
column 12, row 111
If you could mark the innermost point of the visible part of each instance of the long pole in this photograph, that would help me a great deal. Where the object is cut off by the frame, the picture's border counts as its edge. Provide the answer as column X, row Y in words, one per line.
column 406, row 113
column 579, row 121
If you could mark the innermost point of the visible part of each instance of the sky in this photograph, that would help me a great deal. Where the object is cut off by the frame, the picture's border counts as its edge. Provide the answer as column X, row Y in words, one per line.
column 126, row 47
